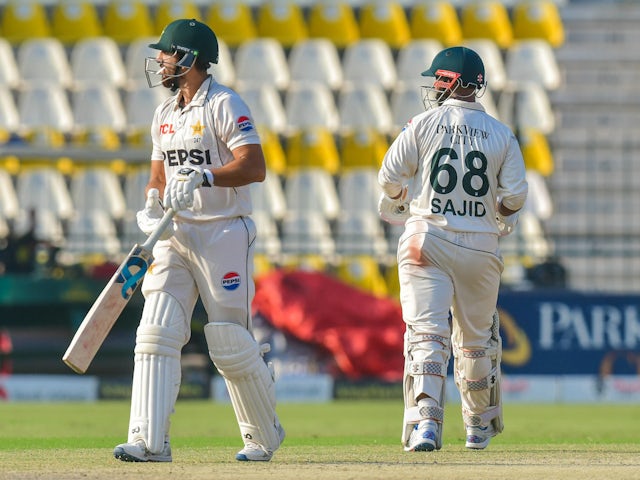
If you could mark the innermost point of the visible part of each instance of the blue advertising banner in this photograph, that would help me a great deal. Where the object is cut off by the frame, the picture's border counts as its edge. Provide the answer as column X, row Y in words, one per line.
column 563, row 332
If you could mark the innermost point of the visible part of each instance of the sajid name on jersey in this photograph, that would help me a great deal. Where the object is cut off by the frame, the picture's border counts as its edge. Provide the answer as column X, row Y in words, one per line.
column 469, row 208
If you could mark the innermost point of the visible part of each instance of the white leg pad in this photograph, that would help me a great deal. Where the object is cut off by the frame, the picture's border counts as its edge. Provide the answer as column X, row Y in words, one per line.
column 425, row 370
column 250, row 383
column 156, row 372
column 477, row 376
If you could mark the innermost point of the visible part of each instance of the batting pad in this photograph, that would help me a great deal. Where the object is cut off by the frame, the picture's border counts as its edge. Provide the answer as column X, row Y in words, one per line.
column 156, row 371
column 237, row 356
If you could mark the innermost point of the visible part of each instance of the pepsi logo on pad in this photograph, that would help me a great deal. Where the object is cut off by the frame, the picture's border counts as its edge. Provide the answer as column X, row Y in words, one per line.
column 231, row 281
column 244, row 124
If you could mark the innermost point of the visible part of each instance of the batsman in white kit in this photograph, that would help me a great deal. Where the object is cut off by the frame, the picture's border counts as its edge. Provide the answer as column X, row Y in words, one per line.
column 455, row 178
column 206, row 153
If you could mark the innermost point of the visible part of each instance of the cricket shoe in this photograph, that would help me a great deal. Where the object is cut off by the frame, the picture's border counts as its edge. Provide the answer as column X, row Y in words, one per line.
column 254, row 452
column 423, row 437
column 138, row 452
column 479, row 437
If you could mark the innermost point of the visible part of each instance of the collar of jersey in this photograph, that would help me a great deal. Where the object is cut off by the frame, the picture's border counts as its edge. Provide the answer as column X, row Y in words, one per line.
column 461, row 103
column 200, row 96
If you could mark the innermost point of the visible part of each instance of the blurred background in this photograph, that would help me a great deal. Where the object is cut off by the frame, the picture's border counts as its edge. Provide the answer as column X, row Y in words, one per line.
column 330, row 83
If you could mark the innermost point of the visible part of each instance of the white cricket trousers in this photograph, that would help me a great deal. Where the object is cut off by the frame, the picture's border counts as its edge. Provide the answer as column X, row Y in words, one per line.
column 441, row 270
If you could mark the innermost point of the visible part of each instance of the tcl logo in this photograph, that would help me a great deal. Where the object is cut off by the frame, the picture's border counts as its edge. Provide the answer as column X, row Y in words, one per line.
column 166, row 128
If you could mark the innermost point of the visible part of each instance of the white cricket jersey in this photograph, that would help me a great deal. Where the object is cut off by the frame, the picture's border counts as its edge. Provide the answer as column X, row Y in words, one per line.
column 204, row 133
column 456, row 159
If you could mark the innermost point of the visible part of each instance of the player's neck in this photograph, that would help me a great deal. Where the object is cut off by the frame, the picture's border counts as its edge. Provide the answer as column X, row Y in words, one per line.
column 189, row 87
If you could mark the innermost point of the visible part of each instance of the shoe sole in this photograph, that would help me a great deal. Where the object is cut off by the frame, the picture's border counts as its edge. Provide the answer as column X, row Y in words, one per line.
column 126, row 457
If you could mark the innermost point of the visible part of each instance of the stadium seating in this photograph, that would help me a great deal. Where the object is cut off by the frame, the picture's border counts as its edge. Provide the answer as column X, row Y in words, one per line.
column 265, row 104
column 329, row 85
column 127, row 20
column 24, row 20
column 369, row 61
column 232, row 22
column 97, row 60
column 313, row 147
column 364, row 105
column 363, row 272
column 282, row 20
column 436, row 20
column 533, row 61
column 316, row 60
column 414, row 58
column 9, row 117
column 44, row 60
column 9, row 73
column 169, row 10
column 334, row 20
column 262, row 60
column 310, row 104
column 45, row 106
column 385, row 20
column 75, row 20
column 487, row 19
column 538, row 19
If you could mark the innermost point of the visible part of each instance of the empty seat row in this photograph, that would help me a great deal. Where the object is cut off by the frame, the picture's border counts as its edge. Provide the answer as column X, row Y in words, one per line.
column 306, row 107
column 265, row 61
column 289, row 22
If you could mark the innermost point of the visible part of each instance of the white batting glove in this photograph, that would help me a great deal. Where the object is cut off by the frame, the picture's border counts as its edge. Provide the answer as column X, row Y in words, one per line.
column 395, row 212
column 506, row 223
column 150, row 216
column 178, row 193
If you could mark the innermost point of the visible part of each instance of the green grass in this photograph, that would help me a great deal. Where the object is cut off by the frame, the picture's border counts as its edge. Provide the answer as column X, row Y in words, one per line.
column 339, row 440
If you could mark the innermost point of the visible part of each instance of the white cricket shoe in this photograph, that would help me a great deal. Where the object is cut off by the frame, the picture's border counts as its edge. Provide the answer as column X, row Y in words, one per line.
column 479, row 437
column 254, row 452
column 138, row 452
column 423, row 438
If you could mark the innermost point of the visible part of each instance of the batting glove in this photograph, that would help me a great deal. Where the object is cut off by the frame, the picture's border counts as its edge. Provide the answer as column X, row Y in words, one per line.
column 395, row 212
column 149, row 218
column 506, row 223
column 178, row 193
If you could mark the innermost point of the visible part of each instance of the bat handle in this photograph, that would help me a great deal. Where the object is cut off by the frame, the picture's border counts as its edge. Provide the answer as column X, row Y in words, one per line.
column 162, row 226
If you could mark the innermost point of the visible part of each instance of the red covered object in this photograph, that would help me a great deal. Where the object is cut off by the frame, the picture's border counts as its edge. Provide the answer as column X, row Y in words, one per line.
column 364, row 333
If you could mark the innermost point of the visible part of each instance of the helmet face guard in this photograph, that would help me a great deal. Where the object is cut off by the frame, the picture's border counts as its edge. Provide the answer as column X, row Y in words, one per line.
column 165, row 73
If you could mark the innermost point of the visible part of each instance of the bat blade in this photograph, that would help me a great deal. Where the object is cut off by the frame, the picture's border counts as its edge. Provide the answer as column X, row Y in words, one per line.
column 106, row 309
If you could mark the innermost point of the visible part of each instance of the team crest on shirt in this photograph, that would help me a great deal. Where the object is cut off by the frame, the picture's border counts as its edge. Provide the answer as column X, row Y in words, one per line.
column 198, row 129
column 244, row 124
column 231, row 280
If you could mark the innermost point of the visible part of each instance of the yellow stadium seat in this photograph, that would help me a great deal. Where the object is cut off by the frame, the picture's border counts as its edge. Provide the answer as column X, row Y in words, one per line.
column 262, row 264
column 126, row 21
column 24, row 20
column 363, row 272
column 232, row 21
column 387, row 21
column 392, row 281
column 487, row 19
column 282, row 20
column 274, row 155
column 335, row 20
column 536, row 152
column 438, row 21
column 75, row 20
column 169, row 10
column 313, row 147
column 538, row 19
column 306, row 261
column 362, row 148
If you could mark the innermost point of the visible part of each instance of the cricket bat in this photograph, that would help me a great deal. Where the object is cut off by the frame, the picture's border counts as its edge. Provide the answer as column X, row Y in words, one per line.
column 114, row 297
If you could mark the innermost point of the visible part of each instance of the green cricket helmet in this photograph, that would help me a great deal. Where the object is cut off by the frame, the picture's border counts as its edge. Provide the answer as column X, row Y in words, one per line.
column 190, row 41
column 458, row 63
column 190, row 37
